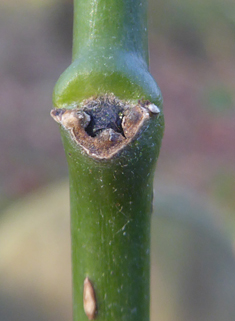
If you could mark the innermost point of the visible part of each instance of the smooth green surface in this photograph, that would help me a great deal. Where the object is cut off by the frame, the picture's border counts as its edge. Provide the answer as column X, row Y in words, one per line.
column 111, row 200
column 111, row 204
column 110, row 25
column 110, row 53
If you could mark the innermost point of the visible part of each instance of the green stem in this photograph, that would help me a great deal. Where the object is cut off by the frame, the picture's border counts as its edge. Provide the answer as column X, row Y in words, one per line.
column 110, row 53
column 111, row 25
column 110, row 223
column 111, row 197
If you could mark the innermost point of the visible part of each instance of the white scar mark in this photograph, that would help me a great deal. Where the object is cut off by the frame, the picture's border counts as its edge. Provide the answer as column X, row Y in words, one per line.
column 89, row 300
column 124, row 226
column 120, row 211
column 128, row 221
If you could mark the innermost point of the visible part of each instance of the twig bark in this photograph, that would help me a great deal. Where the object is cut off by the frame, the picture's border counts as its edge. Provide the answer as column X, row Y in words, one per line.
column 110, row 112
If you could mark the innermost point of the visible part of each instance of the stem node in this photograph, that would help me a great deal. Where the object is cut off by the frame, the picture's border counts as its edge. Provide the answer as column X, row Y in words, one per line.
column 104, row 126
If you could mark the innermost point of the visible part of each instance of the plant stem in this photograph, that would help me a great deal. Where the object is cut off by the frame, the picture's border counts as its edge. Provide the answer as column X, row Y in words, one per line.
column 110, row 189
column 113, row 25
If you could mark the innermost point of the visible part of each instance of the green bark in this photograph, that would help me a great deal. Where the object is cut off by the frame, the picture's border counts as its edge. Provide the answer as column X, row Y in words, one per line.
column 111, row 198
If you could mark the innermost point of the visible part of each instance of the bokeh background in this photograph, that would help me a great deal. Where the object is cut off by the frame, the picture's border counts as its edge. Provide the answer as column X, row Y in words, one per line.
column 192, row 57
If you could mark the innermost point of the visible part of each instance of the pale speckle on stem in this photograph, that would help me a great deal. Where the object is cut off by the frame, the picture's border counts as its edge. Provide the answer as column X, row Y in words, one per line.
column 153, row 108
column 89, row 299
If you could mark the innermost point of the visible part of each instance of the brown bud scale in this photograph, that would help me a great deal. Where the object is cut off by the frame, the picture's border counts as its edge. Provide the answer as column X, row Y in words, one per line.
column 103, row 126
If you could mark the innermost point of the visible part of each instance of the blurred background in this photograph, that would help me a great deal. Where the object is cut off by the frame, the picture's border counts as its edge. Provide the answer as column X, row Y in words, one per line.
column 192, row 57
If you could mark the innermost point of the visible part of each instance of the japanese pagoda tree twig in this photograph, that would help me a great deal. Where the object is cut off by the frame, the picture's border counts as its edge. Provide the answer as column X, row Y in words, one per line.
column 110, row 113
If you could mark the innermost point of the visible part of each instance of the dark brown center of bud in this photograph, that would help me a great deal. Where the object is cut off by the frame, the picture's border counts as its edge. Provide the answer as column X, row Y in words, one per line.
column 105, row 115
